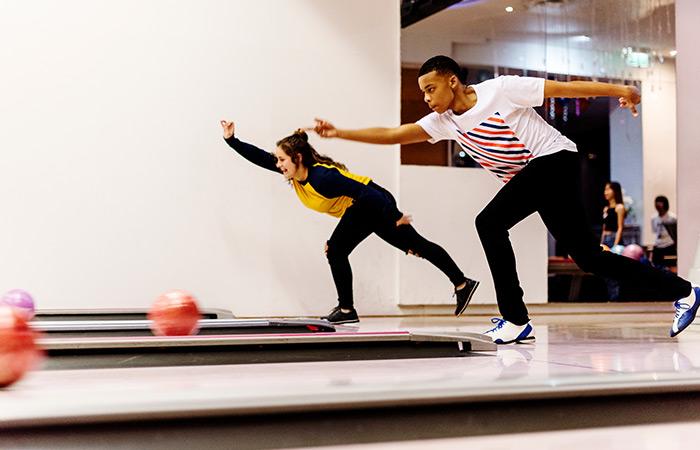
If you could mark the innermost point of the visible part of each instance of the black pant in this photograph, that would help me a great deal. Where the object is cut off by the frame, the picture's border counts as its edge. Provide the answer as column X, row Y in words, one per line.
column 551, row 186
column 358, row 222
column 657, row 256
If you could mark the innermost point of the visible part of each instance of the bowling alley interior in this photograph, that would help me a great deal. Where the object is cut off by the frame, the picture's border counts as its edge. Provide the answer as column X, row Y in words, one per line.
column 478, row 226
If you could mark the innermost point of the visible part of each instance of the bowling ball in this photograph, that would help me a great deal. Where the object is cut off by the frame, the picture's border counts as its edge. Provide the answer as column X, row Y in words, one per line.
column 633, row 251
column 617, row 249
column 18, row 350
column 174, row 313
column 21, row 301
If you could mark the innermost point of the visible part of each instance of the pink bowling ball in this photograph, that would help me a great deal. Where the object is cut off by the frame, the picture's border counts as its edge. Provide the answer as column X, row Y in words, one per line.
column 633, row 251
column 21, row 301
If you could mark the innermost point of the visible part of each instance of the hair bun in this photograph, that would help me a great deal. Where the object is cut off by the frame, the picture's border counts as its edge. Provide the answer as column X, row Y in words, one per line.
column 302, row 134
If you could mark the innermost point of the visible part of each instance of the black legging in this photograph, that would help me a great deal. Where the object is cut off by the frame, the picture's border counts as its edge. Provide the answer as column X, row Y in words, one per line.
column 551, row 186
column 358, row 222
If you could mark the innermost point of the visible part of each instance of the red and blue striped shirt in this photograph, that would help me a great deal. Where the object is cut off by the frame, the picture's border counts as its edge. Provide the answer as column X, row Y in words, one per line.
column 501, row 132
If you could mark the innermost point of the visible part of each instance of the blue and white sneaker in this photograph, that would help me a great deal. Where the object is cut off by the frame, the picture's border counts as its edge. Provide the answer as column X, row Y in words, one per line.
column 506, row 332
column 686, row 309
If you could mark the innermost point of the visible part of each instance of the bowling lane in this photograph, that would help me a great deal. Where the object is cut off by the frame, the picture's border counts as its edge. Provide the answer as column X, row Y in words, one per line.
column 324, row 403
column 52, row 315
column 122, row 328
column 584, row 371
column 110, row 352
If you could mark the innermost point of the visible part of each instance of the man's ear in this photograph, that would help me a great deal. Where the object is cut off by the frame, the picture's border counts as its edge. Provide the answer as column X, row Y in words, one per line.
column 453, row 81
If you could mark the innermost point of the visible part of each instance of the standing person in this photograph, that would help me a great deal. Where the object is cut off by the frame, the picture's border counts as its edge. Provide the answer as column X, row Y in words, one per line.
column 363, row 207
column 613, row 224
column 664, row 243
column 613, row 215
column 495, row 124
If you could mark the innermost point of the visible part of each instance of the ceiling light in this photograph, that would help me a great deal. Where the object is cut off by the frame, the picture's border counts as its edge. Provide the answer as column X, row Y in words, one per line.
column 581, row 38
column 509, row 9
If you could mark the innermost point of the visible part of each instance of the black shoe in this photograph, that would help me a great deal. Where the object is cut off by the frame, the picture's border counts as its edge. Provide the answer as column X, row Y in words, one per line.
column 330, row 313
column 337, row 316
column 464, row 295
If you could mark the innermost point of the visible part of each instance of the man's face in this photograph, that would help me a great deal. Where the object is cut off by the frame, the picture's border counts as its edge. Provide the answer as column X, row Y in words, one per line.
column 438, row 90
column 660, row 208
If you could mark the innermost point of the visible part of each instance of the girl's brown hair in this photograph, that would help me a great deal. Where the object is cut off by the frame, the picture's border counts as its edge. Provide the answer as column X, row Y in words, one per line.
column 298, row 148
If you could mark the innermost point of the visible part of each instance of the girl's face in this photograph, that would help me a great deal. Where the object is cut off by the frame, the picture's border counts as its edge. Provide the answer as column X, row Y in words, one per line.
column 608, row 193
column 285, row 164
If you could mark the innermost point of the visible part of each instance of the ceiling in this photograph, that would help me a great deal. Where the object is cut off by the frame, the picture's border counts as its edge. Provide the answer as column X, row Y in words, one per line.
column 608, row 25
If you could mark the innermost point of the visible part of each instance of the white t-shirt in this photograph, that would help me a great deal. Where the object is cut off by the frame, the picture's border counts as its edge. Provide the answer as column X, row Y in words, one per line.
column 501, row 132
column 663, row 239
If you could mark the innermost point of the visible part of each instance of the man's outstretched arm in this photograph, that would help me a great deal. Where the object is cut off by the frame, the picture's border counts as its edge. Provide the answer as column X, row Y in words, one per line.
column 409, row 133
column 628, row 96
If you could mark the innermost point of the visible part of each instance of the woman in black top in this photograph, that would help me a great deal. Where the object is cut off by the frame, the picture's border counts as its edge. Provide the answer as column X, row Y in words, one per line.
column 613, row 215
column 363, row 207
column 613, row 223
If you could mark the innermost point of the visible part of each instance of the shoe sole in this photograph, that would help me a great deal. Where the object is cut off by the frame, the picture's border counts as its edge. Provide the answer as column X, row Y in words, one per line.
column 517, row 341
column 345, row 321
column 469, row 299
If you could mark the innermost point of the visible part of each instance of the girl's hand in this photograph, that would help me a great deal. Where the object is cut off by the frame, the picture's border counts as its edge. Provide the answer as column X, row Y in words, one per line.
column 228, row 128
column 404, row 220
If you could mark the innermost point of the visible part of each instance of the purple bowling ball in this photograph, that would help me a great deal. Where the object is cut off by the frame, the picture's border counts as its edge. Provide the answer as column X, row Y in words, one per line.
column 21, row 301
column 633, row 251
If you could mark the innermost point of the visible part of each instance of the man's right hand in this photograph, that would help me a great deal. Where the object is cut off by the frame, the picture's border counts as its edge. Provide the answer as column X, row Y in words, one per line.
column 325, row 129
column 408, row 133
column 228, row 128
column 631, row 100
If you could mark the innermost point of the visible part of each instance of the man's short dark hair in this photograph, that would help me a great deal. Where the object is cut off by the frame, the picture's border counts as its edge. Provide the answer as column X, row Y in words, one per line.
column 443, row 65
column 663, row 200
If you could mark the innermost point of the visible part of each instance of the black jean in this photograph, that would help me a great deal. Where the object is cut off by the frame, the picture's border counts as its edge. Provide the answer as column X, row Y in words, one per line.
column 551, row 186
column 360, row 221
column 657, row 256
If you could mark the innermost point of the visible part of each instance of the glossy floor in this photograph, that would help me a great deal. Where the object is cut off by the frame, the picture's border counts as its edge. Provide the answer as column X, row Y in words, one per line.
column 593, row 350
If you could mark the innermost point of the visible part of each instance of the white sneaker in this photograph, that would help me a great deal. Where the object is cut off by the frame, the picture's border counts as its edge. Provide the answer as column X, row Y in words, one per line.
column 685, row 312
column 506, row 332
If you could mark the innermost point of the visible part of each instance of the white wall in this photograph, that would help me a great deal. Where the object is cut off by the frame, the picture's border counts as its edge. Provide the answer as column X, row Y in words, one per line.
column 444, row 211
column 688, row 162
column 116, row 183
column 659, row 135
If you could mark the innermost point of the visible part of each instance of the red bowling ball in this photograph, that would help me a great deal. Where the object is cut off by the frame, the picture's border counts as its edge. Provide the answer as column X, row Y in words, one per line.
column 18, row 350
column 175, row 313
